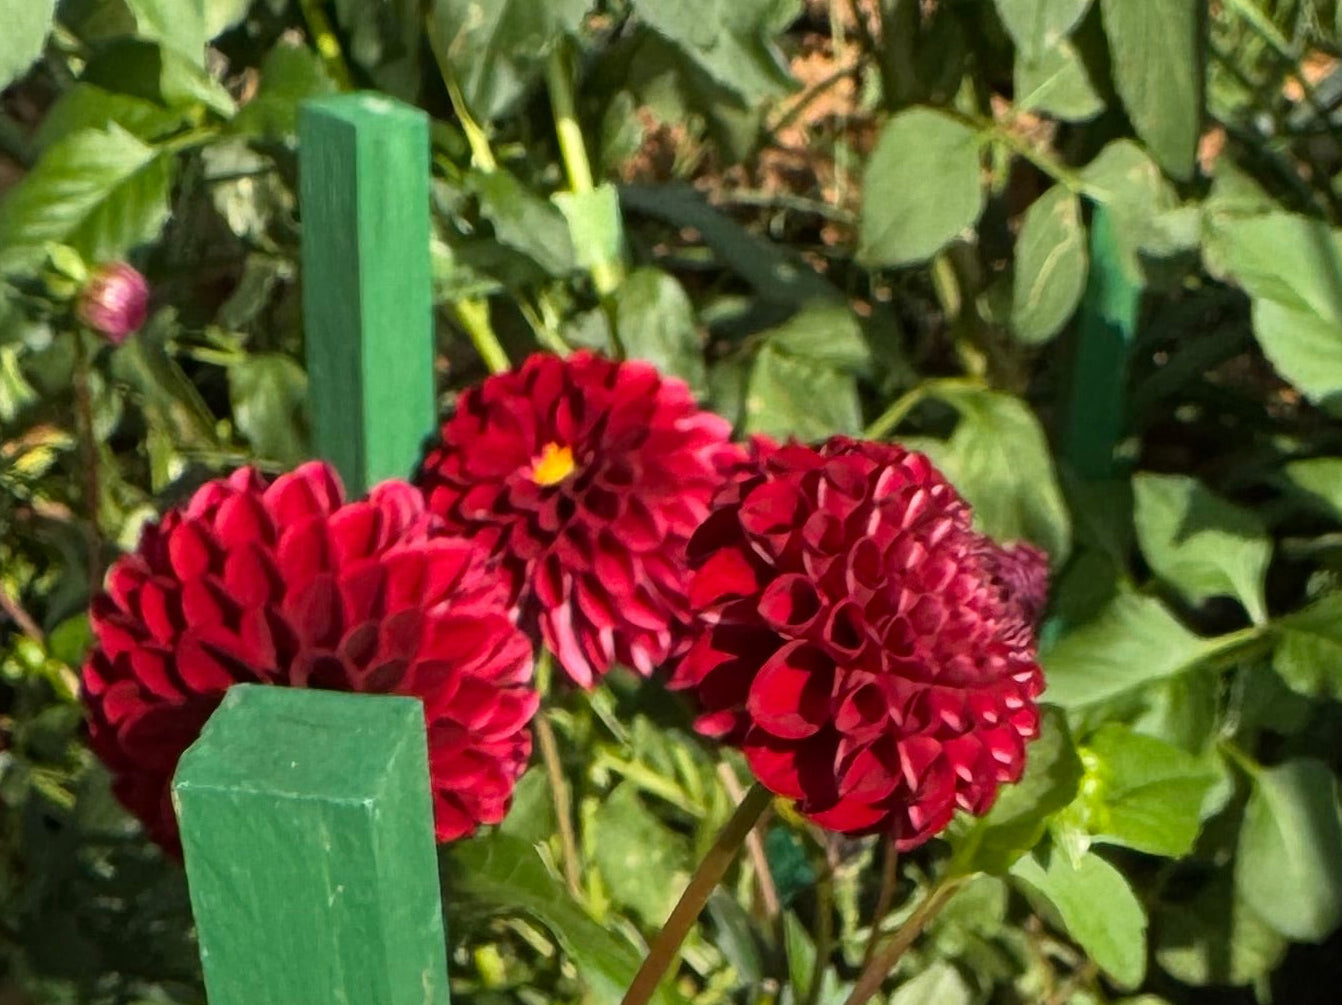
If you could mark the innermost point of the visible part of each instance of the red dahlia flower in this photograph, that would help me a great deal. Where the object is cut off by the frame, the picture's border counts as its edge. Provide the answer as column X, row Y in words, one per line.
column 870, row 652
column 587, row 478
column 289, row 585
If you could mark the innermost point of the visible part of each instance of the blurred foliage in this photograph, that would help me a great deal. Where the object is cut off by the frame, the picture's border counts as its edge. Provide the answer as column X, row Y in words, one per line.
column 899, row 216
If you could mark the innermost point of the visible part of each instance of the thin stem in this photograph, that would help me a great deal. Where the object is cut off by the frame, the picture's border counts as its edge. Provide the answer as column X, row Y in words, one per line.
column 20, row 617
column 88, row 450
column 665, row 947
column 884, row 899
column 326, row 43
column 879, row 967
column 754, row 844
column 889, row 420
column 824, row 924
column 554, row 770
column 606, row 274
column 482, row 155
column 473, row 315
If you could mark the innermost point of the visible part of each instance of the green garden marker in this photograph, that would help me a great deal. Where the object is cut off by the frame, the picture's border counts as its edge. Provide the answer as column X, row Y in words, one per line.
column 307, row 829
column 1096, row 401
column 367, row 294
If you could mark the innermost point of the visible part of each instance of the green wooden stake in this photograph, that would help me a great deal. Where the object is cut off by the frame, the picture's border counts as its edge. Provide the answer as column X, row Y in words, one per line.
column 367, row 294
column 1107, row 326
column 307, row 829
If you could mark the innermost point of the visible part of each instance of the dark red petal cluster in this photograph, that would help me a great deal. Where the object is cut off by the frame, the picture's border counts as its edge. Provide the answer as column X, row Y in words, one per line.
column 286, row 584
column 871, row 654
column 587, row 478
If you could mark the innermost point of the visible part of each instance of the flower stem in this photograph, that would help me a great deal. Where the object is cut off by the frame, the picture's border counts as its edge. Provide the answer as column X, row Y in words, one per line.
column 88, row 451
column 884, row 899
column 606, row 274
column 559, row 790
column 879, row 967
column 481, row 152
column 666, row 946
column 754, row 845
column 21, row 618
column 326, row 43
column 473, row 315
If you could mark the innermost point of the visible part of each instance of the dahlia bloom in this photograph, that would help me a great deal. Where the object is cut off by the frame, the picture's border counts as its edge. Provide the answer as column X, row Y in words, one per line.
column 586, row 477
column 871, row 654
column 287, row 584
column 114, row 301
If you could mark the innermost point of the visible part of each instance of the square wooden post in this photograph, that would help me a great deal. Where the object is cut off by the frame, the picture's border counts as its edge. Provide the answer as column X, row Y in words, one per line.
column 307, row 829
column 367, row 284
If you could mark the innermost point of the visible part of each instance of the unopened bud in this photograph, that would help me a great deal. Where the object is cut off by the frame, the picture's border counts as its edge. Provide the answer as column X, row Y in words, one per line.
column 114, row 301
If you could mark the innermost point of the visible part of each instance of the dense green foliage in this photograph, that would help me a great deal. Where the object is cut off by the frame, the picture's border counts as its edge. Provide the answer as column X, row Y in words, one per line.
column 826, row 217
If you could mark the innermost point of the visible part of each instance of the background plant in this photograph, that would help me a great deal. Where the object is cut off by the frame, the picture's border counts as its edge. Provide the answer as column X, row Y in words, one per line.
column 826, row 217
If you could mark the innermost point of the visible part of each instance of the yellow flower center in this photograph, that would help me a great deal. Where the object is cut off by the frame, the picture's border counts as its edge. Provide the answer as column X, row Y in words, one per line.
column 553, row 465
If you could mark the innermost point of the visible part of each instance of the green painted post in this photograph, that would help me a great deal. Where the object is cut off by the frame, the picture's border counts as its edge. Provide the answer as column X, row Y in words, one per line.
column 1096, row 403
column 367, row 296
column 307, row 829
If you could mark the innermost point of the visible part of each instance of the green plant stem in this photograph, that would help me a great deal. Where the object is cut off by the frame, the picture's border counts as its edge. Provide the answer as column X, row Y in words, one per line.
column 473, row 315
column 764, row 878
column 889, row 420
column 606, row 274
column 554, row 770
column 666, row 946
column 884, row 899
column 327, row 44
column 482, row 154
column 824, row 938
column 88, row 451
column 21, row 618
column 879, row 967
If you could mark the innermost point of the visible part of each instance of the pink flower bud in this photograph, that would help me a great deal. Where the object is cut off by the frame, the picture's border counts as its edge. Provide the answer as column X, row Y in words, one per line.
column 114, row 301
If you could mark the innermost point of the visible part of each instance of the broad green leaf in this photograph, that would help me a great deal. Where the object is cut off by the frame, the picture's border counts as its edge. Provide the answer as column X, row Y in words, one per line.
column 268, row 393
column 1130, row 185
column 290, row 74
column 1143, row 793
column 792, row 396
column 1199, row 543
column 655, row 322
column 1056, row 82
column 159, row 74
column 87, row 106
column 644, row 863
column 594, row 224
column 1291, row 267
column 177, row 24
column 524, row 221
column 1000, row 461
column 938, row 984
column 1320, row 479
column 1051, row 265
column 101, row 192
column 923, row 187
column 385, row 39
column 1157, row 67
column 1096, row 906
column 497, row 48
column 1308, row 656
column 531, row 817
column 730, row 40
column 27, row 24
column 1133, row 642
column 1215, row 938
column 1020, row 816
column 504, row 875
column 1289, row 864
column 1036, row 25
column 824, row 333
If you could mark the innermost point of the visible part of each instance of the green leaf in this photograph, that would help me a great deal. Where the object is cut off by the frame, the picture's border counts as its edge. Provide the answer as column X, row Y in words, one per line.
column 268, row 392
column 655, row 321
column 788, row 396
column 1199, row 543
column 1309, row 648
column 594, row 224
column 1056, row 82
column 1320, row 480
column 1215, row 938
column 1134, row 641
column 524, row 221
column 497, row 48
column 999, row 460
column 1289, row 864
column 1096, row 906
column 1290, row 267
column 643, row 862
column 101, row 192
column 1051, row 266
column 730, row 40
column 1036, row 25
column 531, row 817
column 937, row 984
column 290, row 74
column 178, row 24
column 27, row 24
column 923, row 187
column 1143, row 793
column 506, row 875
column 162, row 75
column 1020, row 816
column 1130, row 185
column 1157, row 67
column 825, row 333
column 87, row 106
